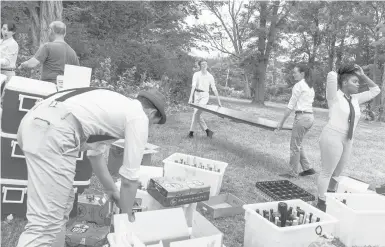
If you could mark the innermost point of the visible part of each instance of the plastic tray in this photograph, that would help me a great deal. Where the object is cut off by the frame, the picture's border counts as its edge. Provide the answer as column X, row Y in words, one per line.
column 281, row 190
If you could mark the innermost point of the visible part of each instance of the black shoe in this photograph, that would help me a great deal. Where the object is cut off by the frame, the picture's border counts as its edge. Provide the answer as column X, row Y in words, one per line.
column 191, row 134
column 209, row 133
column 307, row 172
column 321, row 205
column 331, row 191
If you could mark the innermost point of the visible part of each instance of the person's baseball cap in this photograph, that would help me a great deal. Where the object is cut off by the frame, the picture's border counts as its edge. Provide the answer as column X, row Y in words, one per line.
column 158, row 100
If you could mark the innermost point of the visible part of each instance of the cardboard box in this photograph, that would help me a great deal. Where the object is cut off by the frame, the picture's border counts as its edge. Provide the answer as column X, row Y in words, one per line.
column 150, row 227
column 94, row 208
column 222, row 206
column 165, row 191
column 81, row 234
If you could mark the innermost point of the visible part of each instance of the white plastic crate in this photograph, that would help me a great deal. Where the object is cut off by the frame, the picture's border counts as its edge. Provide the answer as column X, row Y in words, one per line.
column 361, row 220
column 259, row 232
column 212, row 178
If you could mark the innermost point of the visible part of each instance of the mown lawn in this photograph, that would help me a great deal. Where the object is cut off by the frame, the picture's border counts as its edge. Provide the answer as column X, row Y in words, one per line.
column 253, row 155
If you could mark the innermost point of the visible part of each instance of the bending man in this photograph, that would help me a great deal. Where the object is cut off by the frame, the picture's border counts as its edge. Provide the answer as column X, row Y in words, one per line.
column 53, row 133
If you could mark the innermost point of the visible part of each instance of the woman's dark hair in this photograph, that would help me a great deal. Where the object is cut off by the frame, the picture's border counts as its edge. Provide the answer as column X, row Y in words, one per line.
column 345, row 72
column 11, row 27
column 302, row 68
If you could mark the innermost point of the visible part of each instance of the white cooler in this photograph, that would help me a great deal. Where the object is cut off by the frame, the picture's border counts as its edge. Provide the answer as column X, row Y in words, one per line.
column 20, row 96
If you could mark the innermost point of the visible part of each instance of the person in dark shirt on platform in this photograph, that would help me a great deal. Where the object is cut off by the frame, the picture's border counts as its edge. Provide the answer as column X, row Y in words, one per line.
column 53, row 55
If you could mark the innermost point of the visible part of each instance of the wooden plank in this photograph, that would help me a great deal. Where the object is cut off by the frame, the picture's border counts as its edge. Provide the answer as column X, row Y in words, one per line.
column 241, row 117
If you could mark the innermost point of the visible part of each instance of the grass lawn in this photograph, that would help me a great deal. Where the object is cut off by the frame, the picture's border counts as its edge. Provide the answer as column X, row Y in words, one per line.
column 253, row 155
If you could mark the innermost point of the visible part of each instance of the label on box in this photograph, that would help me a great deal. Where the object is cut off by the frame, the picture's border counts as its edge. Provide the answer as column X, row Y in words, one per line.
column 86, row 234
column 170, row 187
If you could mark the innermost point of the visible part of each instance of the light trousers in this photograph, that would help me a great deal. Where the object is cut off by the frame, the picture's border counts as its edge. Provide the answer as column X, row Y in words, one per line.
column 200, row 98
column 50, row 145
column 302, row 124
column 336, row 150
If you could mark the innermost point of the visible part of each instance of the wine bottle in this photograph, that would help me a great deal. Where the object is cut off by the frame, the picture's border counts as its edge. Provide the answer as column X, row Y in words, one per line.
column 282, row 209
column 318, row 219
column 310, row 216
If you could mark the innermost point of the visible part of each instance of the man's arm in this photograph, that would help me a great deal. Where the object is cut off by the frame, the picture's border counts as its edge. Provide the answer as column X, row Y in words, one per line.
column 193, row 86
column 99, row 166
column 40, row 56
column 136, row 135
column 214, row 88
column 31, row 63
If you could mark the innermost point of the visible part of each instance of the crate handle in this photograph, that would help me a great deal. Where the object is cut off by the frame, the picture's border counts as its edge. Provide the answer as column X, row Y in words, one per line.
column 6, row 189
column 21, row 99
column 13, row 145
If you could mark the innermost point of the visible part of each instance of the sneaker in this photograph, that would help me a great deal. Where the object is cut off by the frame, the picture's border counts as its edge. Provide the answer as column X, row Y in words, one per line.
column 307, row 172
column 191, row 134
column 209, row 133
column 321, row 205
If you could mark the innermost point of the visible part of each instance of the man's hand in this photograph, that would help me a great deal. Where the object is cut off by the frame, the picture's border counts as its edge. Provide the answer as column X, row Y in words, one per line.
column 115, row 197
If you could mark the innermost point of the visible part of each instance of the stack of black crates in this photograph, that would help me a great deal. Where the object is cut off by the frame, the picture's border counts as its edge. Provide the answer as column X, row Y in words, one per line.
column 20, row 96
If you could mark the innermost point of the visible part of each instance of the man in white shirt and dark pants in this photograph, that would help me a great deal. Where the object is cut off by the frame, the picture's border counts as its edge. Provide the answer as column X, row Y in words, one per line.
column 53, row 133
column 201, row 83
column 301, row 102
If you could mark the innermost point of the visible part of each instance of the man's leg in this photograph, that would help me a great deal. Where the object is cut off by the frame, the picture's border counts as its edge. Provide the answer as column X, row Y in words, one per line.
column 51, row 162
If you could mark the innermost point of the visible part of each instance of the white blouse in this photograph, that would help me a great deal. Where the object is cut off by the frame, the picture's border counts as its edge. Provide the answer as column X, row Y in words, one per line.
column 8, row 53
column 302, row 97
column 339, row 107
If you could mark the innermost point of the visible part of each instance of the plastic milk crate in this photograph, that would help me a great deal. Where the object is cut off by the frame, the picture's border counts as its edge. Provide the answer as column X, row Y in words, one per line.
column 361, row 219
column 260, row 232
column 208, row 171
column 20, row 95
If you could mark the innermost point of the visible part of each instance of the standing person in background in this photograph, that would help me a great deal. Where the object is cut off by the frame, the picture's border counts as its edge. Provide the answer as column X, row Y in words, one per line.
column 8, row 52
column 302, row 103
column 201, row 83
column 54, row 55
column 344, row 113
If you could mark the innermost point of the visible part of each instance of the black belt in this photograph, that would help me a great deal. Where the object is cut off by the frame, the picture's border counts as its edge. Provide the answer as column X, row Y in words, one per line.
column 199, row 90
column 303, row 112
column 7, row 69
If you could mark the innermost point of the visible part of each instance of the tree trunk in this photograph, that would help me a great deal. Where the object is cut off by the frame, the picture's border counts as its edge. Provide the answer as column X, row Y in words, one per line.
column 247, row 86
column 259, row 77
column 33, row 9
column 49, row 11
